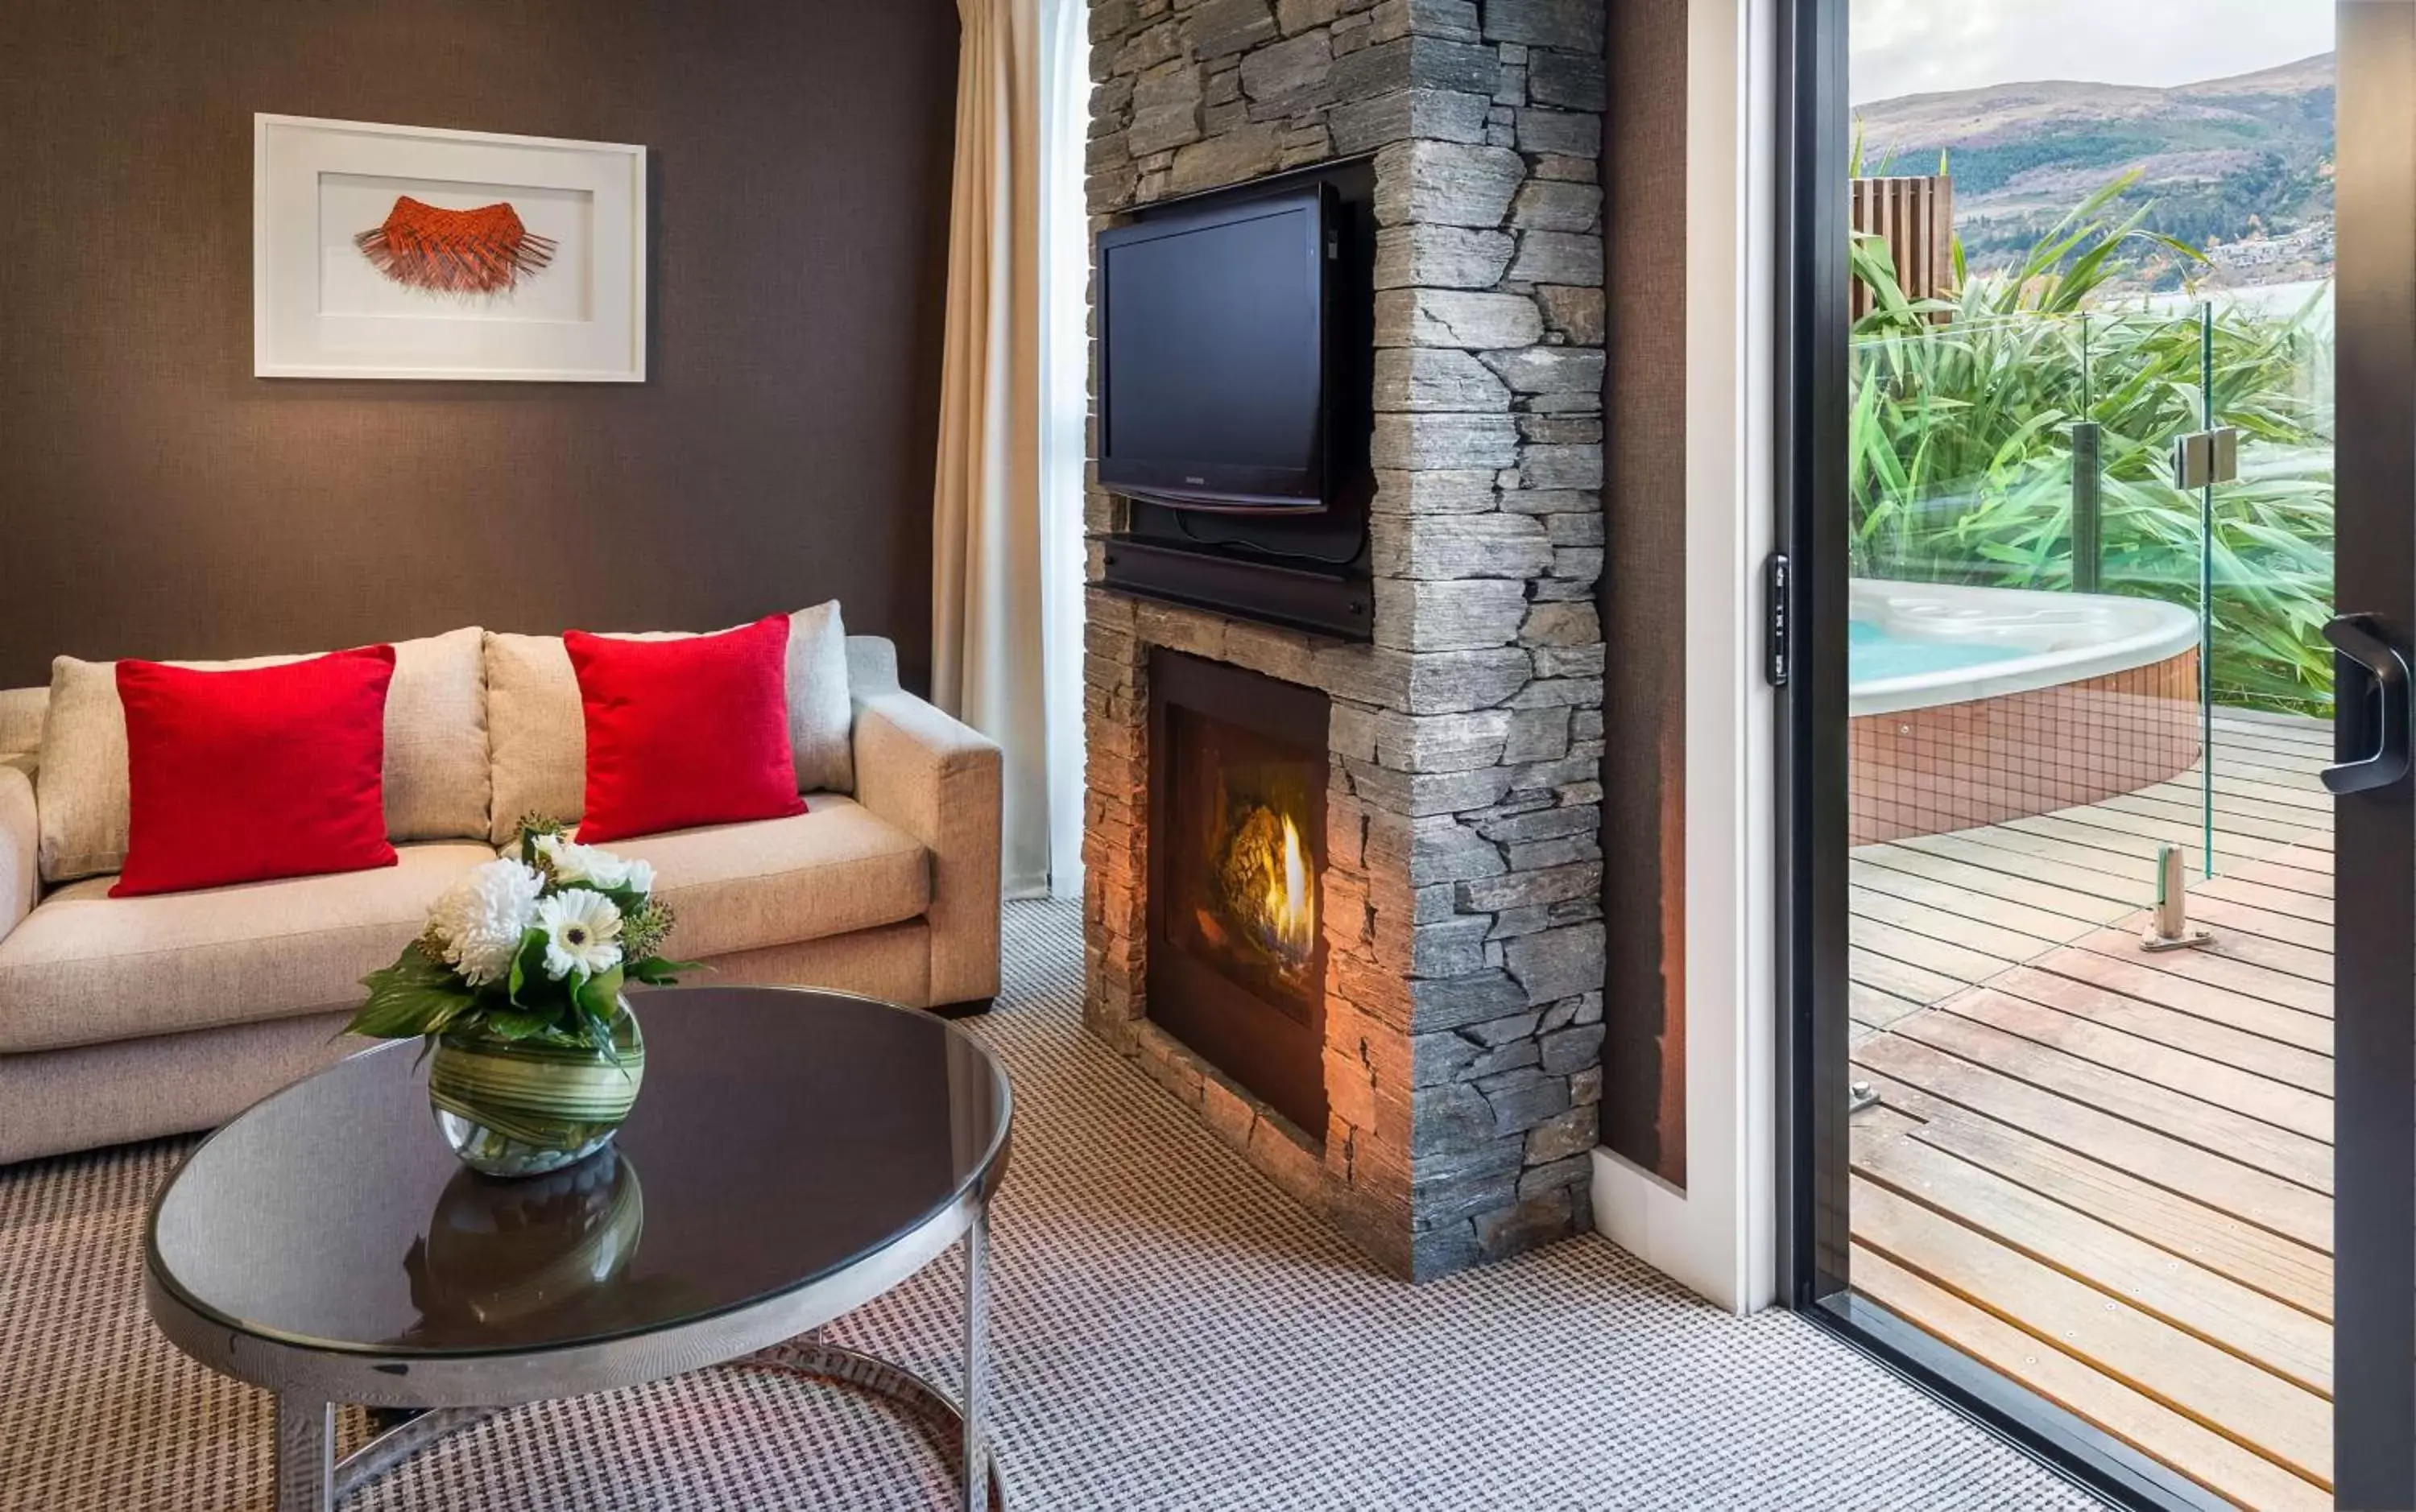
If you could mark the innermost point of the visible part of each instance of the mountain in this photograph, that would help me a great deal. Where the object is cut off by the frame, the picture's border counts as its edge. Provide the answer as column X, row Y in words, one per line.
column 2240, row 167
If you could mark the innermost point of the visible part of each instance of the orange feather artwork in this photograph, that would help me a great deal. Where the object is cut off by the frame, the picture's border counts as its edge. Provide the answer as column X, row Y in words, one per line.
column 467, row 252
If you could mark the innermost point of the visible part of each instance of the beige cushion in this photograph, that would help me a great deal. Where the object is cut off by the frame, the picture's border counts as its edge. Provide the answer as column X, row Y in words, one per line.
column 86, row 969
column 435, row 776
column 89, row 1096
column 538, row 730
column 891, row 963
column 741, row 886
column 536, row 735
column 20, row 723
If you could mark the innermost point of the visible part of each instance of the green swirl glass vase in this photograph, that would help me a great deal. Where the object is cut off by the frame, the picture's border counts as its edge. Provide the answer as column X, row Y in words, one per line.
column 523, row 1107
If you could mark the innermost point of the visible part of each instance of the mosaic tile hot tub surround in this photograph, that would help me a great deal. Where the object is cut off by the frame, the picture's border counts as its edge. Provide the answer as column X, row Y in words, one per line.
column 1984, row 760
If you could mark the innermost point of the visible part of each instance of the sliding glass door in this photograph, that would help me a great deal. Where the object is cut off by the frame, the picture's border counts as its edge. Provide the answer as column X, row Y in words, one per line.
column 2100, row 519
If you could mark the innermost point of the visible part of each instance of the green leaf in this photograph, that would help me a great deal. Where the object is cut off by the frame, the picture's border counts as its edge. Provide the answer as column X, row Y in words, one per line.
column 528, row 968
column 417, row 995
column 505, row 1023
column 599, row 996
column 626, row 899
column 656, row 972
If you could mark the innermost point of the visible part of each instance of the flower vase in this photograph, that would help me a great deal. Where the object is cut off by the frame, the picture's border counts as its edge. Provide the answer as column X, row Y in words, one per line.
column 523, row 1107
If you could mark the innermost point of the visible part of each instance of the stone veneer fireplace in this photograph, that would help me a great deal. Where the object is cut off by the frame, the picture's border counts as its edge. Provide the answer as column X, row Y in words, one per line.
column 1458, row 963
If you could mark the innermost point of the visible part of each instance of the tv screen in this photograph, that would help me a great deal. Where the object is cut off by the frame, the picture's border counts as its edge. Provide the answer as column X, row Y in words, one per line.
column 1213, row 368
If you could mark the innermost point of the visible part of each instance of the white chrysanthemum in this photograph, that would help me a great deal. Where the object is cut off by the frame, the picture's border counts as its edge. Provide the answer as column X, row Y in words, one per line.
column 583, row 932
column 479, row 921
column 575, row 863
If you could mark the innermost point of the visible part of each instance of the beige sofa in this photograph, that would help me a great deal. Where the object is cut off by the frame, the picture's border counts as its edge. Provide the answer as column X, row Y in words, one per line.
column 124, row 1019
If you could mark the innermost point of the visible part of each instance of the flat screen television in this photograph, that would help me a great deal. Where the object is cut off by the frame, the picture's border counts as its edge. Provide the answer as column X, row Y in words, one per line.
column 1214, row 375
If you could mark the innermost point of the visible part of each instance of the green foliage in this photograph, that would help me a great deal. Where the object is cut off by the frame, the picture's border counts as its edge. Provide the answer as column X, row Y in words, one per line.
column 417, row 995
column 1960, row 450
column 421, row 994
column 656, row 972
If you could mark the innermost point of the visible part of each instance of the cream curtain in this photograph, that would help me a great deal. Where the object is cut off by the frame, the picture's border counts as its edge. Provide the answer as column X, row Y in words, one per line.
column 1065, row 404
column 988, row 646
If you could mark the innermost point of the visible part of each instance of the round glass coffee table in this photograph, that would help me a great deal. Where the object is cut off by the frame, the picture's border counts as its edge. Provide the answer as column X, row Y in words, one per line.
column 794, row 1155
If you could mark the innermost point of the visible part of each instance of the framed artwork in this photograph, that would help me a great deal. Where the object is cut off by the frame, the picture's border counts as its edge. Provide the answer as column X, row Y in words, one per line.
column 393, row 252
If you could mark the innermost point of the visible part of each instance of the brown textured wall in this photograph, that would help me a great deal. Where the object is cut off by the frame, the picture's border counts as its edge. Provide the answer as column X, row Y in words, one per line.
column 1644, row 587
column 158, row 500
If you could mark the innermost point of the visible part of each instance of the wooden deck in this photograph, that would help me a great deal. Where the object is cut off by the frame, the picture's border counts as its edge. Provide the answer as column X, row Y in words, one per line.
column 2108, row 1173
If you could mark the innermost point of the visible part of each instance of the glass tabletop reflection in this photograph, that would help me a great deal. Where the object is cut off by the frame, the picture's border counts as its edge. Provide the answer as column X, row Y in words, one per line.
column 782, row 1136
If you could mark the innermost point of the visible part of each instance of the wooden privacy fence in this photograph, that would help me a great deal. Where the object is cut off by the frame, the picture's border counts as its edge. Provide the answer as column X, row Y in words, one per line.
column 1916, row 217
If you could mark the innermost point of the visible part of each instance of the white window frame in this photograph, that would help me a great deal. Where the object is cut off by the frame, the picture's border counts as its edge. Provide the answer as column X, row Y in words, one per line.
column 1718, row 1235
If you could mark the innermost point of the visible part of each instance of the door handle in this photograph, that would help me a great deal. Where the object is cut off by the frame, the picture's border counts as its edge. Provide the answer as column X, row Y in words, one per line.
column 2370, row 701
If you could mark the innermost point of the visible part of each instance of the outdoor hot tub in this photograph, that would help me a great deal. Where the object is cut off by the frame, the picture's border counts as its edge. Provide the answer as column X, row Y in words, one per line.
column 1974, row 706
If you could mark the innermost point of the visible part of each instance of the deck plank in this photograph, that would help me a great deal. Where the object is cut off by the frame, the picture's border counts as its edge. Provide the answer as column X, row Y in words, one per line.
column 2277, row 1151
column 2283, row 1269
column 2207, row 1176
column 2232, row 1472
column 2002, row 848
column 2163, row 1067
column 2053, row 929
column 2242, row 1323
column 2273, row 900
column 2251, row 1406
column 1971, row 929
column 2243, row 918
column 2301, row 1061
column 2138, row 835
column 2141, row 976
column 2307, row 963
column 1870, row 968
column 1944, row 957
column 2070, row 903
column 1873, row 1009
column 2211, row 968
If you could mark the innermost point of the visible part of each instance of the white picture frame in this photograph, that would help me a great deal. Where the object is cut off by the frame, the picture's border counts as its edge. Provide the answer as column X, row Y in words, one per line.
column 573, row 309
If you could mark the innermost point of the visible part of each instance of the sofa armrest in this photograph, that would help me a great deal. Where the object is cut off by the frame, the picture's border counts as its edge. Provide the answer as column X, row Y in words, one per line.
column 21, row 838
column 938, row 780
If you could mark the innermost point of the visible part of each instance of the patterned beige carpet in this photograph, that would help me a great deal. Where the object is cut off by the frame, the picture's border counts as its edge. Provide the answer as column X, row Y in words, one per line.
column 1170, row 1332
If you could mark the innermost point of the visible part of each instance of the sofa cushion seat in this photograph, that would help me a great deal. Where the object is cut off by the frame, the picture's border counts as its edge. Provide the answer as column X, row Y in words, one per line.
column 834, row 869
column 86, row 969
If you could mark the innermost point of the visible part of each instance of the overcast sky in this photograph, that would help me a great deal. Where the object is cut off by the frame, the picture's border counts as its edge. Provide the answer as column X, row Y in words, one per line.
column 1912, row 47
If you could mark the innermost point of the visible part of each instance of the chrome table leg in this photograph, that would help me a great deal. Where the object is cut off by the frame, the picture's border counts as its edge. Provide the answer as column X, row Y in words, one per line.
column 976, row 1470
column 305, row 1455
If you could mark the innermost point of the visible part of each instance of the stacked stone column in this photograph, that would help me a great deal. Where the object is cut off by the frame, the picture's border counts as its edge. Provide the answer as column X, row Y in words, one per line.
column 1463, row 882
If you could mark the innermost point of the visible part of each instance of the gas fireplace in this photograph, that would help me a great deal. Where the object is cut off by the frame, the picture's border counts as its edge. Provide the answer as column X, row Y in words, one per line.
column 1237, row 805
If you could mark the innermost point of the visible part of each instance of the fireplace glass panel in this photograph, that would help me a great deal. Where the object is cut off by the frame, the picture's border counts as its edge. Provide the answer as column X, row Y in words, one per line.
column 1245, row 831
column 1237, row 852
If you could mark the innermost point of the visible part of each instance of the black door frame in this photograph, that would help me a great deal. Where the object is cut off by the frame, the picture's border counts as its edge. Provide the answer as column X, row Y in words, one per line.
column 2375, row 1408
column 2374, row 1109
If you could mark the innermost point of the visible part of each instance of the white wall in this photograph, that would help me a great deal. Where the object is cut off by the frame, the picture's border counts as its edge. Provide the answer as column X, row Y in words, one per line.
column 1718, row 1237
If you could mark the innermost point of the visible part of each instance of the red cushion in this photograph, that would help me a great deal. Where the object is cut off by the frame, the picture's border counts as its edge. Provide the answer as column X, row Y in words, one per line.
column 686, row 732
column 259, row 773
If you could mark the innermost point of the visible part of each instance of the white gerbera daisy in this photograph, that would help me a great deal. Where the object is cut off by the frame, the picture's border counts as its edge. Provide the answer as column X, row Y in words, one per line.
column 583, row 932
column 479, row 921
column 575, row 863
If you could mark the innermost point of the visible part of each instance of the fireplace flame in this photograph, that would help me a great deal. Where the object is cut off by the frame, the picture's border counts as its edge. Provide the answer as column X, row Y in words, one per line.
column 1292, row 915
column 1268, row 886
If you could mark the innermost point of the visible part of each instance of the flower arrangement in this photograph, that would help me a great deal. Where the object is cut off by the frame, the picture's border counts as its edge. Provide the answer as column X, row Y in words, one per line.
column 531, row 949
